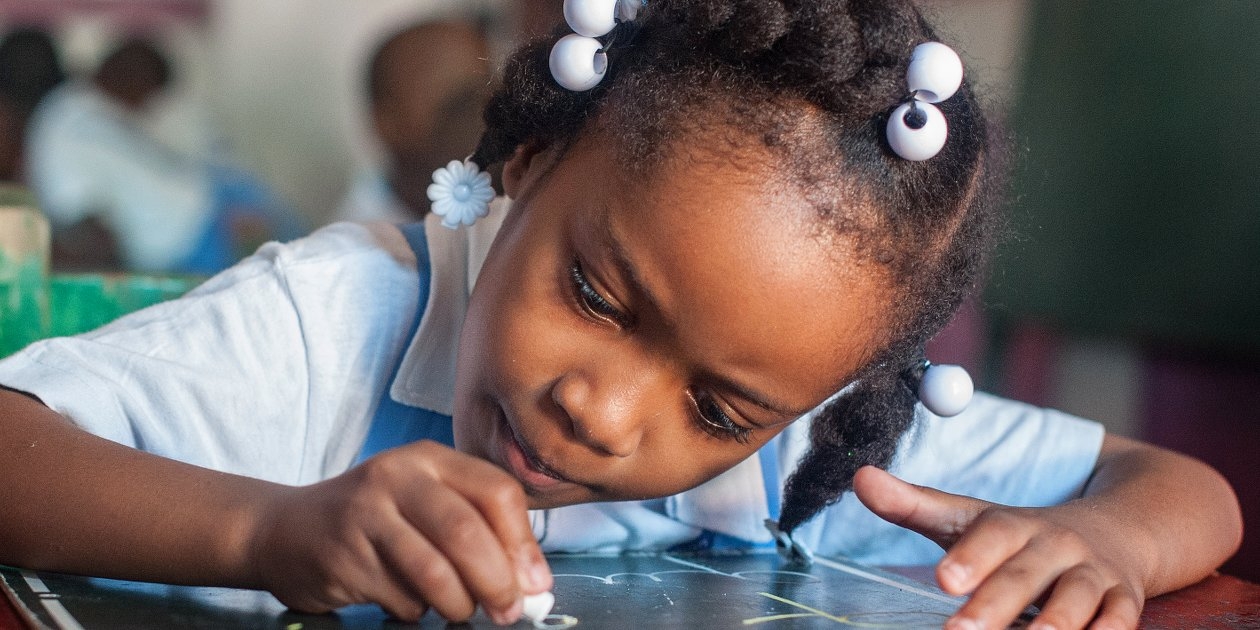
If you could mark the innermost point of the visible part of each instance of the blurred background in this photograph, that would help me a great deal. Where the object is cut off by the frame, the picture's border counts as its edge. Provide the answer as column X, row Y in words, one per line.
column 1127, row 290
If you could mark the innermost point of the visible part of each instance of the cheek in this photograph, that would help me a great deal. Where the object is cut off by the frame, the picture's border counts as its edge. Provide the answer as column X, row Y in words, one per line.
column 679, row 461
column 517, row 328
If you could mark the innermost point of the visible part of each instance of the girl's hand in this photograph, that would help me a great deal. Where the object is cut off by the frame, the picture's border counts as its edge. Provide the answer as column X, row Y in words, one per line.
column 1084, row 570
column 416, row 526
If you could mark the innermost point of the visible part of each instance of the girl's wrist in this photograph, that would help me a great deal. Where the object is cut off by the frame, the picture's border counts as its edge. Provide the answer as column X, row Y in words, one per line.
column 243, row 544
column 1117, row 536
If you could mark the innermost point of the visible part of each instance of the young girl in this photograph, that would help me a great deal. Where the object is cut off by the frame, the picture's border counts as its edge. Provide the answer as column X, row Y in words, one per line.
column 722, row 219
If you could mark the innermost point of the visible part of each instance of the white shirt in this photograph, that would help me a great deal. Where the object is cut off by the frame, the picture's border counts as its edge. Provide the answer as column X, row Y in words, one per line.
column 273, row 369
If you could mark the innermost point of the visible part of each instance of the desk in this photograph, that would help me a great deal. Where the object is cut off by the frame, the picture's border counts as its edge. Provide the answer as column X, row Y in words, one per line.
column 1217, row 602
column 1220, row 602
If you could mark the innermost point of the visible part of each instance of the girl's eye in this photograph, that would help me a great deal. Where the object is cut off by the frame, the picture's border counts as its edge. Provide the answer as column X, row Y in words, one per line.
column 715, row 421
column 592, row 301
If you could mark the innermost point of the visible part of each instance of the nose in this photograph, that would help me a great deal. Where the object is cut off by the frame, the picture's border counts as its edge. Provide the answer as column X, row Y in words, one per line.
column 610, row 405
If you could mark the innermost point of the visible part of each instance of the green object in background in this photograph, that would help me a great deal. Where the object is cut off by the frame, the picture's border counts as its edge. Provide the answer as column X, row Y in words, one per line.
column 1138, row 204
column 35, row 305
column 24, row 242
column 82, row 302
column 23, row 303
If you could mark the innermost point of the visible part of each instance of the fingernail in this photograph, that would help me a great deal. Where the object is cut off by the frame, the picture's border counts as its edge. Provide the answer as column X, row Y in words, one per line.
column 509, row 616
column 532, row 571
column 955, row 573
column 963, row 623
column 1040, row 625
column 539, row 575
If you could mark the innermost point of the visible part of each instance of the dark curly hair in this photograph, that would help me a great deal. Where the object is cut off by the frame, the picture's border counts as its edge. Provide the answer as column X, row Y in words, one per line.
column 814, row 81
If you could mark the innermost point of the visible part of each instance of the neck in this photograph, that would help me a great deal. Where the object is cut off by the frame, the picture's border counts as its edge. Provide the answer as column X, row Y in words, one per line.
column 410, row 185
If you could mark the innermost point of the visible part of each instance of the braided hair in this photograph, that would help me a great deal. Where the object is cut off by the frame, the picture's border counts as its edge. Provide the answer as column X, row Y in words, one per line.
column 814, row 82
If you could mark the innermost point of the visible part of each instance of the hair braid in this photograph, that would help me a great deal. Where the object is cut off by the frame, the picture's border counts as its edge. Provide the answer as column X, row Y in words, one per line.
column 850, row 432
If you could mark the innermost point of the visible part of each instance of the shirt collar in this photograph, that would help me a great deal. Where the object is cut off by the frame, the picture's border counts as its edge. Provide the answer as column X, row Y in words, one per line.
column 426, row 375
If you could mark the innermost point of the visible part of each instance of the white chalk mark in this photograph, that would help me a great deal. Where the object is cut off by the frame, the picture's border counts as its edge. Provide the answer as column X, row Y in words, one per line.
column 37, row 585
column 605, row 580
column 695, row 565
column 813, row 611
column 651, row 576
column 556, row 621
column 743, row 575
column 654, row 576
column 611, row 578
column 883, row 580
column 64, row 619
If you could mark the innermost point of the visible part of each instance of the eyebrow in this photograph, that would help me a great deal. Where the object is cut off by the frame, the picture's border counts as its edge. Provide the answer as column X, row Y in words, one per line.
column 631, row 275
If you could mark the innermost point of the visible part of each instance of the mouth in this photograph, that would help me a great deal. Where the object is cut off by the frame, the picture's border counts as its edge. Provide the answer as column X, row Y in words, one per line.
column 521, row 460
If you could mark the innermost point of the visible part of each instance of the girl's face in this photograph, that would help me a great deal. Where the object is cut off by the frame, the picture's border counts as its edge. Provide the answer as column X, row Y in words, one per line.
column 633, row 339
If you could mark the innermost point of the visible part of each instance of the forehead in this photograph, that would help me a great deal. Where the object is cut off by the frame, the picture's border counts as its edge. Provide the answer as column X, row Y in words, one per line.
column 734, row 257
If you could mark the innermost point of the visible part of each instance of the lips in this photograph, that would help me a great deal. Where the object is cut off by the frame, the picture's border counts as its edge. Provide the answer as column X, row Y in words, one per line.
column 524, row 465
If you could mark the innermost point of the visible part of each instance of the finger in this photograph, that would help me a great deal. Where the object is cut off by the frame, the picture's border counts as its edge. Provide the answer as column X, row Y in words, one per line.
column 347, row 572
column 1007, row 590
column 940, row 516
column 993, row 539
column 1121, row 609
column 360, row 576
column 393, row 593
column 502, row 503
column 1073, row 601
column 466, row 541
column 419, row 574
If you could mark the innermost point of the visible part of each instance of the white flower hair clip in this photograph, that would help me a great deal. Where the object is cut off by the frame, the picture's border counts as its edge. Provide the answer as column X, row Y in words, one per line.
column 461, row 193
column 917, row 129
column 578, row 61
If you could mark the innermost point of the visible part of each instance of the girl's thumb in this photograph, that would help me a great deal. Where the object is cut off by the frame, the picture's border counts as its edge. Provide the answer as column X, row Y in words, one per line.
column 940, row 516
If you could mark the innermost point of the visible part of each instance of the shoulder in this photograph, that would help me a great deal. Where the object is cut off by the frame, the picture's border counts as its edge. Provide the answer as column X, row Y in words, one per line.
column 74, row 105
column 347, row 277
column 369, row 244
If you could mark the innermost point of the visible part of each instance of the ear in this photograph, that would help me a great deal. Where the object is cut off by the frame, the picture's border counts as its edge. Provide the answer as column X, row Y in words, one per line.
column 522, row 169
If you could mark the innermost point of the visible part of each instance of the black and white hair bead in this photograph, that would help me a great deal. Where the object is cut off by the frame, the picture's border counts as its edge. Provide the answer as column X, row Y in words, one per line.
column 917, row 129
column 578, row 61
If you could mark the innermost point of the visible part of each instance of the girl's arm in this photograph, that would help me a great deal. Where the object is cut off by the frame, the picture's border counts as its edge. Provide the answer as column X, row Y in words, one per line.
column 1151, row 521
column 417, row 526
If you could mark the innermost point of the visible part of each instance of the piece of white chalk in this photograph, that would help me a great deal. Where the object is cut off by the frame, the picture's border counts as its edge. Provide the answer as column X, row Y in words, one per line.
column 538, row 606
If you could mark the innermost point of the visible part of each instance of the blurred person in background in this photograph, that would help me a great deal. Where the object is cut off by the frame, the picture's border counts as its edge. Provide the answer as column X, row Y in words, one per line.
column 29, row 68
column 117, row 195
column 425, row 87
column 536, row 18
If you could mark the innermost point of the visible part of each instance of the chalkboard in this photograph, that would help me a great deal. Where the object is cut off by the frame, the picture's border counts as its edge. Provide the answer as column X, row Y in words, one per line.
column 752, row 590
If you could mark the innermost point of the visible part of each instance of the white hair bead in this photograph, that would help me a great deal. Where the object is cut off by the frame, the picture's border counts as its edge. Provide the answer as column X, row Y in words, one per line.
column 591, row 18
column 578, row 63
column 919, row 135
column 946, row 390
column 935, row 72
